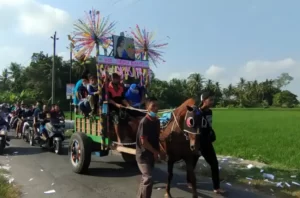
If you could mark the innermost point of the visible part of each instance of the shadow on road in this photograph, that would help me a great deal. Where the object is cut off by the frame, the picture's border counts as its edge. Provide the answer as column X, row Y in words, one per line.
column 30, row 150
column 23, row 150
column 124, row 170
column 160, row 177
column 160, row 181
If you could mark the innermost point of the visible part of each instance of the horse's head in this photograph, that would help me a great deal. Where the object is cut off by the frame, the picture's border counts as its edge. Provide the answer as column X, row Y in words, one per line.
column 191, row 126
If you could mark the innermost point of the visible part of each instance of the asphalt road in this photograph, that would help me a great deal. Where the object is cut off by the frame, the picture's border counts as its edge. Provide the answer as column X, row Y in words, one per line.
column 37, row 171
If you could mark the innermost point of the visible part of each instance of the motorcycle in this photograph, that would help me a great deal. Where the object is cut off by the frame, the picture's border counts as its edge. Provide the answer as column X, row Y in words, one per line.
column 4, row 139
column 55, row 137
column 13, row 120
column 27, row 127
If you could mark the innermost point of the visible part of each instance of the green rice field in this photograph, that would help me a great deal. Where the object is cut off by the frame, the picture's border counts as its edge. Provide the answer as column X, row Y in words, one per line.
column 271, row 136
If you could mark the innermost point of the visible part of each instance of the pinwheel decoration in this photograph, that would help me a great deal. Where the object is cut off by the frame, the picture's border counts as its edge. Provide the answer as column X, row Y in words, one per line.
column 146, row 48
column 91, row 33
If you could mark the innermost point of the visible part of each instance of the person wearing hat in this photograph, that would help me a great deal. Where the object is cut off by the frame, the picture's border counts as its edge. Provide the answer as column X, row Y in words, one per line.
column 207, row 137
column 116, row 100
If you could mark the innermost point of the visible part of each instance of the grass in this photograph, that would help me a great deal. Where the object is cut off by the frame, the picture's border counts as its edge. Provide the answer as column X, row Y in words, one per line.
column 269, row 136
column 7, row 190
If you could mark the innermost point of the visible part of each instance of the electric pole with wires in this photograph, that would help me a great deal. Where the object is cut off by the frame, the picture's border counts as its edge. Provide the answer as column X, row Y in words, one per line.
column 53, row 67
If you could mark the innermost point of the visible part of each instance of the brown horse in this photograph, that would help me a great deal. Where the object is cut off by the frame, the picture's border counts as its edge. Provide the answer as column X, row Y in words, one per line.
column 181, row 144
column 177, row 140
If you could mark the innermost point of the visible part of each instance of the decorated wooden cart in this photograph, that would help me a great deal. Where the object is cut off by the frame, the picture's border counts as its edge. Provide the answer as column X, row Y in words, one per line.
column 93, row 134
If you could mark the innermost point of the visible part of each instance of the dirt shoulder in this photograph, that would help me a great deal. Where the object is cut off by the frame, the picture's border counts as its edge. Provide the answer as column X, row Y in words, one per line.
column 252, row 175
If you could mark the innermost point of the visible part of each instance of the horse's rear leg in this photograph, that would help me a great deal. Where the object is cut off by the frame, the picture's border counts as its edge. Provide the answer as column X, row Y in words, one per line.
column 170, row 177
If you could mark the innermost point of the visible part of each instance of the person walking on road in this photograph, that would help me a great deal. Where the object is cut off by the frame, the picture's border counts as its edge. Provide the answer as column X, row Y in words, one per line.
column 207, row 137
column 147, row 147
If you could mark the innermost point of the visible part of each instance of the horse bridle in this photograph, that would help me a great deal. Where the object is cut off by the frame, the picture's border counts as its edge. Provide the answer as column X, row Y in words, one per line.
column 176, row 122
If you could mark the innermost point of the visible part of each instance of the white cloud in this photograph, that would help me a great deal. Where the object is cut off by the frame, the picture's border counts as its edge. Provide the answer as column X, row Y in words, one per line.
column 8, row 53
column 263, row 69
column 32, row 17
column 214, row 72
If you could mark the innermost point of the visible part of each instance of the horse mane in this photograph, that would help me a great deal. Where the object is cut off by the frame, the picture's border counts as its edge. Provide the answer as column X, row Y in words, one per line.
column 181, row 110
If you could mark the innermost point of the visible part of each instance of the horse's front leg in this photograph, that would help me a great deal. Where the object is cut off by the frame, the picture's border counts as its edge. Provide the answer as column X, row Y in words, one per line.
column 170, row 177
column 191, row 176
column 195, row 160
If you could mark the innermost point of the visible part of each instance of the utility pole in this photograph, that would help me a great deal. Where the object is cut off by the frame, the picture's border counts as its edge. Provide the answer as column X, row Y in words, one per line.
column 53, row 66
column 70, row 73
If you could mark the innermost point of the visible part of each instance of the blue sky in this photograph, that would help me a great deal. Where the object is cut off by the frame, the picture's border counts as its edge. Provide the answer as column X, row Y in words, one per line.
column 223, row 40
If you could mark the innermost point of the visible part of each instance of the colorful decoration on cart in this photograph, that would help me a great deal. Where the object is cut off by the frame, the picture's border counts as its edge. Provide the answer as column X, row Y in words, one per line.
column 124, row 71
column 146, row 48
column 91, row 33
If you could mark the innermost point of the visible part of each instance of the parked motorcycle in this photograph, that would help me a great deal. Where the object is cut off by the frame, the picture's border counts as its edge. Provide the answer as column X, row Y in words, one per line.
column 4, row 139
column 55, row 137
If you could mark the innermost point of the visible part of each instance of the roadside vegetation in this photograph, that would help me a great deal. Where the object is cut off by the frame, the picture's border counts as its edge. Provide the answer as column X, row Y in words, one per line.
column 8, row 190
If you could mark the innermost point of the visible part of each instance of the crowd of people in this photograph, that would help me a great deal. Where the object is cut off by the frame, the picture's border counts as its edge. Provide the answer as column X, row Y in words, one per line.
column 39, row 113
column 118, row 95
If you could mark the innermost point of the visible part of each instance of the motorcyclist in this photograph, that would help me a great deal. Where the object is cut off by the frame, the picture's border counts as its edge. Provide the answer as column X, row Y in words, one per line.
column 3, row 122
column 37, row 111
column 22, row 114
column 55, row 116
column 44, row 116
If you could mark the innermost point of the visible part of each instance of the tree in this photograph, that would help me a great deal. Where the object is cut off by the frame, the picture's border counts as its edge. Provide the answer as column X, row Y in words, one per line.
column 195, row 85
column 33, row 81
column 283, row 80
column 285, row 99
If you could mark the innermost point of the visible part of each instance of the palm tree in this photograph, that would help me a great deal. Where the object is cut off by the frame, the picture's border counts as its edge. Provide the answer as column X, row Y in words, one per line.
column 5, row 77
column 195, row 85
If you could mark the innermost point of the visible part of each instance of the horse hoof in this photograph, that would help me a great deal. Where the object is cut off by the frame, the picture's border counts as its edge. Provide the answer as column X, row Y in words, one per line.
column 167, row 195
column 189, row 186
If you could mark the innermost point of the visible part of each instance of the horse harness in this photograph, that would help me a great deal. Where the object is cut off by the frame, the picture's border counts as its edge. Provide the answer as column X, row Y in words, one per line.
column 162, row 143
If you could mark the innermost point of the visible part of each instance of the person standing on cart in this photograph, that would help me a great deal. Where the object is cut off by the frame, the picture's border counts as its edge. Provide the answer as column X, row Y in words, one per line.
column 116, row 100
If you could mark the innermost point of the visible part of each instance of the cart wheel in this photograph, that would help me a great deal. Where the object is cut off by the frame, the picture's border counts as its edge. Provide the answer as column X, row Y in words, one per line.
column 80, row 152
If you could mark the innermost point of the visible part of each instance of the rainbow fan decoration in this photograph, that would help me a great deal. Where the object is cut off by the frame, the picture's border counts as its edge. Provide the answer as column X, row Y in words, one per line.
column 91, row 33
column 146, row 47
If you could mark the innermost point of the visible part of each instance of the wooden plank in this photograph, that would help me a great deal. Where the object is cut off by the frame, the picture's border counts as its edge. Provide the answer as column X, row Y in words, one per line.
column 94, row 128
column 126, row 150
column 88, row 126
column 99, row 127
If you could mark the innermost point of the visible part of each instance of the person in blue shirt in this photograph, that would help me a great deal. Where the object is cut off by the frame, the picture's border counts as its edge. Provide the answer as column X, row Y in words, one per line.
column 135, row 96
column 93, row 94
column 83, row 104
column 82, row 82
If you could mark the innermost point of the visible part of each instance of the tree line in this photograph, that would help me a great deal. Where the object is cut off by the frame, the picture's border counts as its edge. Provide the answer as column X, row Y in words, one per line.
column 245, row 94
column 33, row 82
